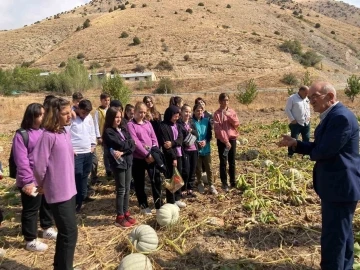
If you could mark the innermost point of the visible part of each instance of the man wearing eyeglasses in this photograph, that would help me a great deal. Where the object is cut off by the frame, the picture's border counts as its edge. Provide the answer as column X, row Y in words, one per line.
column 336, row 174
column 298, row 111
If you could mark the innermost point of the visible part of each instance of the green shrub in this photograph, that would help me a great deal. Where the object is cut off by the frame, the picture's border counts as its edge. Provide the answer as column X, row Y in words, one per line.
column 122, row 7
column 332, row 32
column 144, row 5
column 124, row 35
column 114, row 70
column 353, row 87
column 201, row 4
column 86, row 24
column 277, row 33
column 189, row 10
column 111, row 10
column 136, row 41
column 164, row 65
column 306, row 80
column 94, row 65
column 247, row 95
column 80, row 56
column 139, row 68
column 317, row 25
column 133, row 6
column 310, row 59
column 165, row 86
column 228, row 6
column 186, row 57
column 78, row 28
column 62, row 64
column 27, row 64
column 117, row 89
column 289, row 79
column 291, row 46
column 295, row 13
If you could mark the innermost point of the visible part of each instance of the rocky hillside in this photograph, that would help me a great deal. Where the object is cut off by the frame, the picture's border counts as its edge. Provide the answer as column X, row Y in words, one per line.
column 213, row 43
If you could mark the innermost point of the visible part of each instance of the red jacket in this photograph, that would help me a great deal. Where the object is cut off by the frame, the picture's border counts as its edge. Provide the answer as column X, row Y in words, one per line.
column 225, row 126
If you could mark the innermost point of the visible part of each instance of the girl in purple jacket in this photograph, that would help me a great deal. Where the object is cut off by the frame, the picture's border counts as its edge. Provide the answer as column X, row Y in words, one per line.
column 144, row 136
column 26, row 182
column 53, row 159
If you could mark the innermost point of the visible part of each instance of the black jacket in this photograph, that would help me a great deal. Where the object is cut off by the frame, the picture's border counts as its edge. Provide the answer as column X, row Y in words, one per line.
column 112, row 139
column 184, row 130
column 166, row 133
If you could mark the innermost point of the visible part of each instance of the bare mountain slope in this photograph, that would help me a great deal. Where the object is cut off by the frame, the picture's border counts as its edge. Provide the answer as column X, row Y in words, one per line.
column 224, row 44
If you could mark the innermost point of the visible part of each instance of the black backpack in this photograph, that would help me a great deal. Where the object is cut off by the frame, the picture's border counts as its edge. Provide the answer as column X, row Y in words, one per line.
column 12, row 165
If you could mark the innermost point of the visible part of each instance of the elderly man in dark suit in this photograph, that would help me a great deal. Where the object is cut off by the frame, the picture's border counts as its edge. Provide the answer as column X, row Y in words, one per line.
column 336, row 174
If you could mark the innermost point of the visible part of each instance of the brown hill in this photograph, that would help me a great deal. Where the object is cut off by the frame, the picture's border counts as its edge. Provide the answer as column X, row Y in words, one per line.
column 225, row 45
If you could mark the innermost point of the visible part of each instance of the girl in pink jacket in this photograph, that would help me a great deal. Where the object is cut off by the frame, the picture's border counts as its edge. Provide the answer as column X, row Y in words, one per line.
column 226, row 124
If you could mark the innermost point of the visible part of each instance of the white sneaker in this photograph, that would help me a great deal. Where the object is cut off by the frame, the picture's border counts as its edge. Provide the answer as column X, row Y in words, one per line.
column 50, row 233
column 146, row 211
column 36, row 245
column 180, row 204
column 213, row 190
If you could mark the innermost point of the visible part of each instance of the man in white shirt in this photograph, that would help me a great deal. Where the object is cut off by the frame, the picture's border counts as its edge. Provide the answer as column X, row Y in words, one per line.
column 298, row 111
column 83, row 140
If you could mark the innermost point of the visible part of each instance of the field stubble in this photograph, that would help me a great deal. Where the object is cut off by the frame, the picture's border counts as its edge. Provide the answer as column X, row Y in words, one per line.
column 270, row 221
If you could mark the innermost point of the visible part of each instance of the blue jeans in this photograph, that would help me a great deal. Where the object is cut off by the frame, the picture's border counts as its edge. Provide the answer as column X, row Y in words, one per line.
column 83, row 165
column 296, row 130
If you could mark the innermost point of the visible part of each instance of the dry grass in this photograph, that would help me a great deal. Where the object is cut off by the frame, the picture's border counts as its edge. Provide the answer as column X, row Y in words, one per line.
column 291, row 242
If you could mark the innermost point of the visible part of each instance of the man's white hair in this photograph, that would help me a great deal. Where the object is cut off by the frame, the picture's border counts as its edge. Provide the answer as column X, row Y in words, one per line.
column 328, row 88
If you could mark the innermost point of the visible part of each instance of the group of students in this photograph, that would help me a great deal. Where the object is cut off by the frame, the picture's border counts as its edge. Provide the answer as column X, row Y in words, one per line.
column 54, row 165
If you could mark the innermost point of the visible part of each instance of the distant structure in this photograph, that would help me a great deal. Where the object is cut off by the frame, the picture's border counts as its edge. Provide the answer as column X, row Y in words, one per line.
column 145, row 76
column 99, row 75
column 44, row 73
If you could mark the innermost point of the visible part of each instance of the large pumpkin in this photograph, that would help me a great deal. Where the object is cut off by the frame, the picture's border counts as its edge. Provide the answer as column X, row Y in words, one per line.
column 135, row 261
column 168, row 214
column 144, row 238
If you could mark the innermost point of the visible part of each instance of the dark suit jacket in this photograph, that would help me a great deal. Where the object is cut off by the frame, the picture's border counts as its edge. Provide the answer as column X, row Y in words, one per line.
column 336, row 173
column 112, row 139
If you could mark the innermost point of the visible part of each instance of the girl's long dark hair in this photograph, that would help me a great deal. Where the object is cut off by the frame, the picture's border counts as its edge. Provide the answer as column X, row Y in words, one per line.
column 32, row 112
column 110, row 117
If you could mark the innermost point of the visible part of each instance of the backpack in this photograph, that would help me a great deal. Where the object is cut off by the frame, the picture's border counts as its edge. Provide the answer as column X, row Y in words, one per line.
column 12, row 165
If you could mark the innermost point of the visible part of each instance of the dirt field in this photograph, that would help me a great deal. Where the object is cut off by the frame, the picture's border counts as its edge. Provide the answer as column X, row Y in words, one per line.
column 271, row 221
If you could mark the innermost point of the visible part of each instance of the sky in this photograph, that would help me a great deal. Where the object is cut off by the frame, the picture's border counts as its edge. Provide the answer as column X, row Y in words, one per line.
column 17, row 13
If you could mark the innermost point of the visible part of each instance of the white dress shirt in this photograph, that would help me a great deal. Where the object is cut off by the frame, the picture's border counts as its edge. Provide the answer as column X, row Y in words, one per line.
column 82, row 134
column 298, row 109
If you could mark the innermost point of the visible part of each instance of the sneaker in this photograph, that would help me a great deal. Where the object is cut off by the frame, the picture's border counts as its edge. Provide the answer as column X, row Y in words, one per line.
column 213, row 190
column 225, row 187
column 201, row 188
column 121, row 221
column 50, row 233
column 146, row 211
column 36, row 245
column 130, row 219
column 191, row 194
column 180, row 204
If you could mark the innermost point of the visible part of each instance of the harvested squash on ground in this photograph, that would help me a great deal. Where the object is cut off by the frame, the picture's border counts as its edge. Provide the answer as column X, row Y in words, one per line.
column 168, row 214
column 144, row 238
column 252, row 154
column 294, row 173
column 242, row 141
column 267, row 163
column 135, row 261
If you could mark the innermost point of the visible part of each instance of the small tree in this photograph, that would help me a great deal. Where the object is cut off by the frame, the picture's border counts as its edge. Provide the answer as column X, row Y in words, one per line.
column 186, row 57
column 201, row 4
column 62, row 64
column 317, row 25
column 353, row 87
column 117, row 89
column 228, row 6
column 248, row 95
column 306, row 80
column 165, row 86
column 136, row 41
column 139, row 68
column 189, row 10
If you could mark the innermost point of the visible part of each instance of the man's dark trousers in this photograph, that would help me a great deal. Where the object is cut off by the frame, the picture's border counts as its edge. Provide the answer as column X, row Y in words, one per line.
column 296, row 130
column 337, row 240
